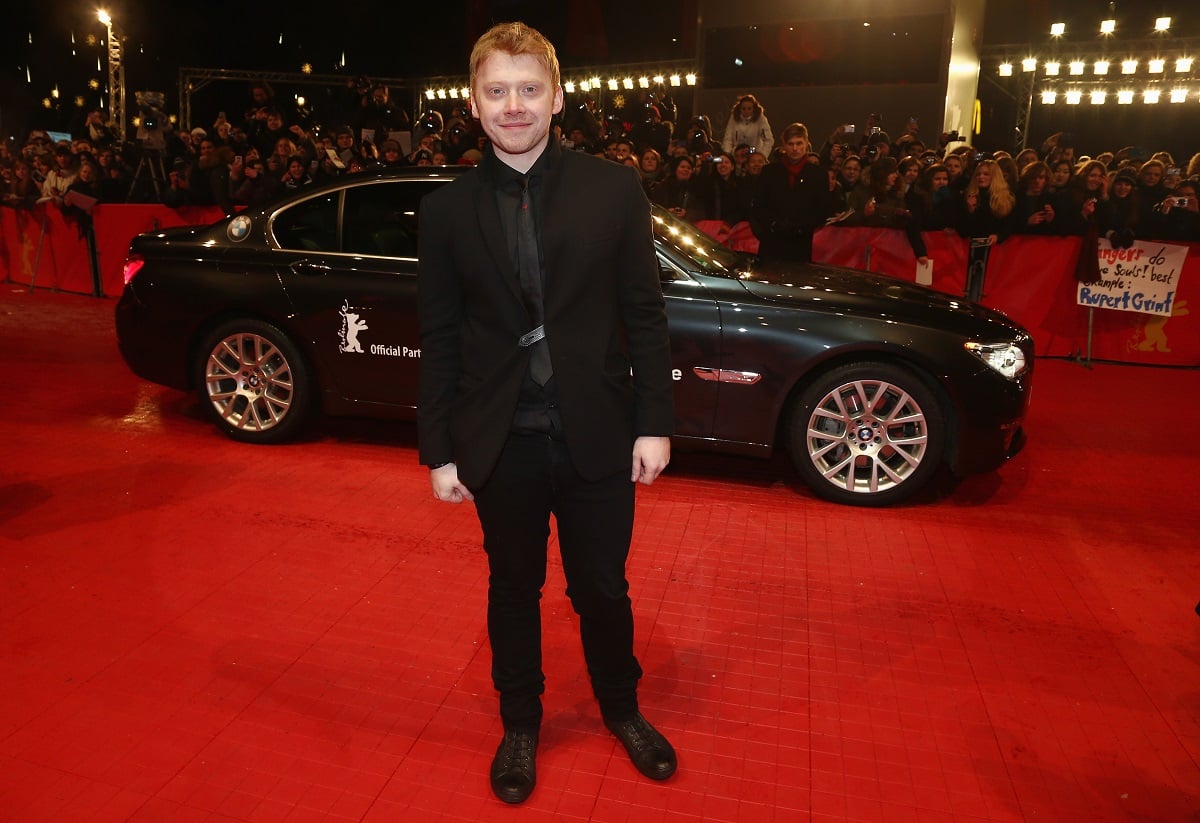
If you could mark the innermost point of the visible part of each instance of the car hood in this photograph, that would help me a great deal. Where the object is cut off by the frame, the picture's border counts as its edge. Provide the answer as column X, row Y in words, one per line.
column 833, row 289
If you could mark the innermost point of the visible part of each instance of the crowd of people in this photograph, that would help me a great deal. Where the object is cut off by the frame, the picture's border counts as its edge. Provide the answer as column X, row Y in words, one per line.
column 785, row 189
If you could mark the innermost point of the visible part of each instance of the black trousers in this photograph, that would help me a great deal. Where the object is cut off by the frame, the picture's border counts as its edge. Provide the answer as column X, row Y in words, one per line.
column 534, row 479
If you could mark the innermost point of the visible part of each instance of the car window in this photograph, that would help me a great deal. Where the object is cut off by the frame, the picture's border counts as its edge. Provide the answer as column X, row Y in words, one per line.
column 381, row 218
column 310, row 225
column 705, row 253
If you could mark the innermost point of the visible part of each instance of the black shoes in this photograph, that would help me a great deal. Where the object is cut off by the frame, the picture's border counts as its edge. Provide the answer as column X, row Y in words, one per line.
column 648, row 749
column 513, row 774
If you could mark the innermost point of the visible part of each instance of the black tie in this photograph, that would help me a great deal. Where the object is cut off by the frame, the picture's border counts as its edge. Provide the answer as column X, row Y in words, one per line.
column 540, row 368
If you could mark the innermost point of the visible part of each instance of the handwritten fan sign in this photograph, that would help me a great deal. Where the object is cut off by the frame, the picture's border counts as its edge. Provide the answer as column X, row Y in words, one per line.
column 1141, row 278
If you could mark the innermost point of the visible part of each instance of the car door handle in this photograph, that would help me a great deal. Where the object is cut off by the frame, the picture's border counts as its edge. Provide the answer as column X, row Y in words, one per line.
column 742, row 378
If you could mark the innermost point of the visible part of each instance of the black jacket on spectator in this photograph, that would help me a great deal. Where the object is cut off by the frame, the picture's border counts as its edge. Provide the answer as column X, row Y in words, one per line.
column 983, row 222
column 791, row 203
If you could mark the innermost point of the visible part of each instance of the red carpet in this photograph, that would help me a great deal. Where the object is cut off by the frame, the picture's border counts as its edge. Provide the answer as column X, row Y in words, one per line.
column 193, row 629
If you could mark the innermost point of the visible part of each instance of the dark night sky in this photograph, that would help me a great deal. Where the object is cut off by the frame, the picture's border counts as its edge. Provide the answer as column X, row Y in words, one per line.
column 394, row 39
column 377, row 39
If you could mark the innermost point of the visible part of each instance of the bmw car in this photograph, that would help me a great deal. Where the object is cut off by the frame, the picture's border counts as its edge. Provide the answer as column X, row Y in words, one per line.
column 308, row 306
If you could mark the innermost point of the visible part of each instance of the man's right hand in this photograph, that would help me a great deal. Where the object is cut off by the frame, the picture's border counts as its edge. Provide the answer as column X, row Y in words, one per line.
column 446, row 485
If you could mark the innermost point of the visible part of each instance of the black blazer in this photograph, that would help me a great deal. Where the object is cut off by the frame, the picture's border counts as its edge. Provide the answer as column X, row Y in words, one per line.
column 604, row 318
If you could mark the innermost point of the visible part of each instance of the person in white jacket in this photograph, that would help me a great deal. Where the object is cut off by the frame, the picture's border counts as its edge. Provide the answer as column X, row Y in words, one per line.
column 748, row 124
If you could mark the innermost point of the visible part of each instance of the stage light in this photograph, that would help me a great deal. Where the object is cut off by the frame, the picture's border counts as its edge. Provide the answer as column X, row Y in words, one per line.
column 1108, row 26
column 675, row 79
column 1150, row 96
column 1179, row 95
column 1101, row 67
column 1098, row 97
column 1052, row 69
column 1183, row 65
column 569, row 87
column 1073, row 98
column 1029, row 64
column 612, row 84
column 1156, row 65
column 691, row 79
column 1006, row 69
column 1058, row 29
column 1129, row 66
column 1048, row 98
column 1076, row 67
column 1124, row 98
column 1162, row 24
column 627, row 83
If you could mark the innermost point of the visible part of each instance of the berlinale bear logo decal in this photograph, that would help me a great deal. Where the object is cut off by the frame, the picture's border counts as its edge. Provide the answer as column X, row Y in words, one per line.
column 351, row 326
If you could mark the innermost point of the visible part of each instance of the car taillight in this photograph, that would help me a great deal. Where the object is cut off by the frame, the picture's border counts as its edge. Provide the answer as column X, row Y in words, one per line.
column 133, row 265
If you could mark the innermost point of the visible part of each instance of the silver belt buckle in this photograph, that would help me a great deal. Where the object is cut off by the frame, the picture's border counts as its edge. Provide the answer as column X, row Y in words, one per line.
column 529, row 338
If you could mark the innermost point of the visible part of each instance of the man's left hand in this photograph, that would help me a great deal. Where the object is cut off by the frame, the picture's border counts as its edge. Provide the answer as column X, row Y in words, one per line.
column 650, row 456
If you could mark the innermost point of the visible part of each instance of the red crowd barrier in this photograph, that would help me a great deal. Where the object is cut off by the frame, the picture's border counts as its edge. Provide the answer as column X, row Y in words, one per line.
column 1031, row 279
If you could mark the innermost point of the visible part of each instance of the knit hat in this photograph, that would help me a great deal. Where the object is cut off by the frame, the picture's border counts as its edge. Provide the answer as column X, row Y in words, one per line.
column 1127, row 175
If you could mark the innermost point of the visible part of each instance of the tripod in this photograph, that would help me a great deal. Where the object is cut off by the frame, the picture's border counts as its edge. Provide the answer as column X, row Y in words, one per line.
column 151, row 164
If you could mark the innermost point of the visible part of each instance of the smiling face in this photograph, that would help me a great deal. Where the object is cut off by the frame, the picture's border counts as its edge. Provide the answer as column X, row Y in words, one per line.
column 514, row 99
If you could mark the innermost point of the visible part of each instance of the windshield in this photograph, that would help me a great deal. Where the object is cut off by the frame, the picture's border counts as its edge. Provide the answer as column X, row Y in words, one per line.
column 690, row 243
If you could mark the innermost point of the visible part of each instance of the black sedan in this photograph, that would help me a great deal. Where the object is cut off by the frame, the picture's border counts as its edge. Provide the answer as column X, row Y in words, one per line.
column 310, row 305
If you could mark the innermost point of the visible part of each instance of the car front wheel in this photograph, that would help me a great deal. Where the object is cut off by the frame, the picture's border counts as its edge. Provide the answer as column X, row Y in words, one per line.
column 253, row 382
column 867, row 434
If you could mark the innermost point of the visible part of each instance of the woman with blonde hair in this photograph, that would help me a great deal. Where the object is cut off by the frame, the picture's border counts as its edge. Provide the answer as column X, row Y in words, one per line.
column 989, row 205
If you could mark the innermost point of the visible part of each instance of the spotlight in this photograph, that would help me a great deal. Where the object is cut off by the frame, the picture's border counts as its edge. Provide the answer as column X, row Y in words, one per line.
column 1073, row 98
column 1101, row 67
column 1162, row 24
column 1052, row 68
column 1029, row 64
column 1129, row 66
column 1006, row 69
column 1048, row 98
column 1124, row 98
column 1150, row 96
column 1058, row 29
column 1108, row 26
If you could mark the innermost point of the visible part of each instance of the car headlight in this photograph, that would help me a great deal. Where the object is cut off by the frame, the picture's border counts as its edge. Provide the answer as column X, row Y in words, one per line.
column 1005, row 358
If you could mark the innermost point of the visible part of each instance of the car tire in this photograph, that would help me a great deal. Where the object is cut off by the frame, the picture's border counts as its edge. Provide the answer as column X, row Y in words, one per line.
column 253, row 382
column 867, row 434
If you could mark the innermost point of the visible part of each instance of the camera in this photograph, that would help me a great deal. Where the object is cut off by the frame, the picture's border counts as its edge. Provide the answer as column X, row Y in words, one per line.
column 1179, row 201
column 154, row 120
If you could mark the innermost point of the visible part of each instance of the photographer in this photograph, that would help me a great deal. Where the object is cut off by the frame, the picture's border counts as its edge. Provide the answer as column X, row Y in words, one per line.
column 1179, row 214
column 376, row 113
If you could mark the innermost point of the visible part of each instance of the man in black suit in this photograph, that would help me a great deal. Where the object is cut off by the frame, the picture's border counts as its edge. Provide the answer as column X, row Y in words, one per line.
column 545, row 387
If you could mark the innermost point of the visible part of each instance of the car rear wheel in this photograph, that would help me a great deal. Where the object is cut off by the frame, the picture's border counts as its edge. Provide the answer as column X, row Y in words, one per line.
column 253, row 382
column 867, row 434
